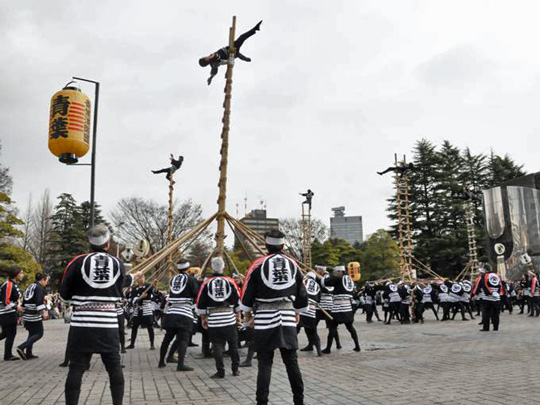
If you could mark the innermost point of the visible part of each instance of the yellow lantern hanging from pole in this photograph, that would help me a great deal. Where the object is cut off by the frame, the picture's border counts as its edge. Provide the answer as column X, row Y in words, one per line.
column 69, row 125
column 353, row 269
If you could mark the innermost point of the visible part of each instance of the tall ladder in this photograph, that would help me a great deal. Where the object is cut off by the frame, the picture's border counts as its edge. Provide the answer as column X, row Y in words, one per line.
column 306, row 234
column 404, row 223
column 471, row 234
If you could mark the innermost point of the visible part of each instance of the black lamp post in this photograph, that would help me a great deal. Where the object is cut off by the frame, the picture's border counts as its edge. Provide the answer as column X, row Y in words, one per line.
column 93, row 162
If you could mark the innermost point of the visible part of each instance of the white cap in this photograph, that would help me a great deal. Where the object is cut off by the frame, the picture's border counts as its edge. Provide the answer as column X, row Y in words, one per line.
column 98, row 235
column 218, row 265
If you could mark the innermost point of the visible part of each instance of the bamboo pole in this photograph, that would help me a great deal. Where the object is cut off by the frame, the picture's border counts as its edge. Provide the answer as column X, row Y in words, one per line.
column 162, row 254
column 220, row 234
column 231, row 262
column 246, row 251
column 170, row 225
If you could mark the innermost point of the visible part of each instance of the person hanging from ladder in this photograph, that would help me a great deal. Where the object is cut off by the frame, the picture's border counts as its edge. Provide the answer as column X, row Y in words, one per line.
column 221, row 56
column 309, row 196
column 401, row 170
column 175, row 165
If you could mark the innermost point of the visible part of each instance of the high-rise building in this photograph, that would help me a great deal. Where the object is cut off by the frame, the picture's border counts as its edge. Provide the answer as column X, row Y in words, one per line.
column 348, row 228
column 257, row 221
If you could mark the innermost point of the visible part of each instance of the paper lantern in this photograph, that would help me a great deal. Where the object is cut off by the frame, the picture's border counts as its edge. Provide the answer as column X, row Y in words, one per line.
column 69, row 126
column 353, row 269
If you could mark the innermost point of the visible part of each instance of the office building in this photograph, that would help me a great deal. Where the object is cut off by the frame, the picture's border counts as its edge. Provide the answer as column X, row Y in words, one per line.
column 348, row 228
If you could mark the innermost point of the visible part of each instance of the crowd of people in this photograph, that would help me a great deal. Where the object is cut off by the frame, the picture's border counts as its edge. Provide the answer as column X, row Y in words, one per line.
column 265, row 311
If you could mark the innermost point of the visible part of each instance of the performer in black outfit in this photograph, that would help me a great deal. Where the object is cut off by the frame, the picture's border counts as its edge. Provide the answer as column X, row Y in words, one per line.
column 143, row 314
column 275, row 288
column 178, row 316
column 370, row 302
column 342, row 310
column 398, row 169
column 35, row 312
column 218, row 305
column 493, row 289
column 309, row 196
column 9, row 301
column 221, row 56
column 308, row 319
column 175, row 165
column 93, row 284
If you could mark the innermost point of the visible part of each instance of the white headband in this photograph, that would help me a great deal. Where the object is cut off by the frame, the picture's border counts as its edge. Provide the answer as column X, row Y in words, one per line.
column 218, row 264
column 318, row 267
column 275, row 241
column 339, row 268
column 183, row 266
column 99, row 240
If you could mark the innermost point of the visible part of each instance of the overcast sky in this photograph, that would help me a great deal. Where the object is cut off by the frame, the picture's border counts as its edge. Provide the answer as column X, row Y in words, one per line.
column 335, row 88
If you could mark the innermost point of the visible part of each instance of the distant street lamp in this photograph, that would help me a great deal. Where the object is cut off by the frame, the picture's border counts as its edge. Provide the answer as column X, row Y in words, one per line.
column 69, row 130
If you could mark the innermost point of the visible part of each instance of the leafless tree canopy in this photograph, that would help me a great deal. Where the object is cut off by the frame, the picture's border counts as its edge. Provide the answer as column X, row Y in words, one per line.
column 137, row 218
column 40, row 228
column 292, row 228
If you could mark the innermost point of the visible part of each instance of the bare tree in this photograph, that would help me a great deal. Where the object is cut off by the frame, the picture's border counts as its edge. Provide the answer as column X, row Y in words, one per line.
column 40, row 240
column 136, row 218
column 292, row 228
column 28, row 225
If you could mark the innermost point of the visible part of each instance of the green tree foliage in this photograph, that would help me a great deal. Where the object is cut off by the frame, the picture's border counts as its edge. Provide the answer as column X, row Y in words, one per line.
column 379, row 256
column 438, row 219
column 334, row 252
column 86, row 218
column 12, row 255
column 68, row 236
column 241, row 263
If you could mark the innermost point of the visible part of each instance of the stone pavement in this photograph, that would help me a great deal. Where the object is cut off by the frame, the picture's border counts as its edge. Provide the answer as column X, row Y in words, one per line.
column 433, row 363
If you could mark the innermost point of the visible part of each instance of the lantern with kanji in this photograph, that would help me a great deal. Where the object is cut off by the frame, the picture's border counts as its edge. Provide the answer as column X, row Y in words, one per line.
column 69, row 126
column 353, row 269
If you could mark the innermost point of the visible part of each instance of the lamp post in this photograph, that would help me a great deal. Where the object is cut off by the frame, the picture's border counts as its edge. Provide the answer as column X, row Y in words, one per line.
column 94, row 136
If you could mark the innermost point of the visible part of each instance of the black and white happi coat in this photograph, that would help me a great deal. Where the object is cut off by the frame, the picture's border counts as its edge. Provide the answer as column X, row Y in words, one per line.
column 33, row 303
column 326, row 301
column 342, row 310
column 274, row 290
column 9, row 298
column 92, row 283
column 219, row 299
column 143, row 308
column 455, row 293
column 313, row 289
column 443, row 293
column 492, row 287
column 179, row 303
column 428, row 295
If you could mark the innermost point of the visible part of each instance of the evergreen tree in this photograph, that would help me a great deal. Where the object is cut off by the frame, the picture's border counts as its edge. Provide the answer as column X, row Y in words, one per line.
column 68, row 237
column 85, row 215
column 503, row 168
column 379, row 256
column 438, row 220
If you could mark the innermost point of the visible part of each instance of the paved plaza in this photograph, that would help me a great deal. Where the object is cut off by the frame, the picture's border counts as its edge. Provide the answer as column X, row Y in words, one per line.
column 433, row 363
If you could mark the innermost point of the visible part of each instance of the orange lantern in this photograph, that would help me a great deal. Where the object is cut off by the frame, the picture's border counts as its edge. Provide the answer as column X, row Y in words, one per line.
column 353, row 269
column 69, row 125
